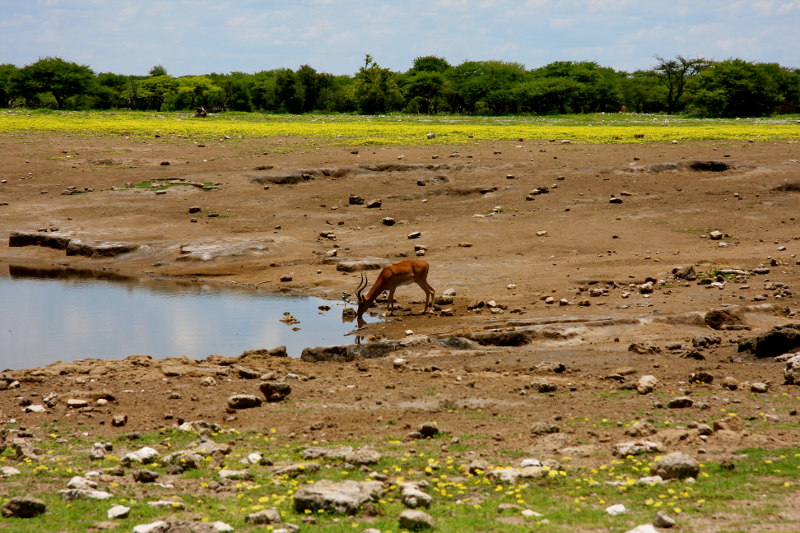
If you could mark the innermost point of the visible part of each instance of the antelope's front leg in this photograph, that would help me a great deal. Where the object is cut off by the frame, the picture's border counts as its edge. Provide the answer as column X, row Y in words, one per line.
column 391, row 301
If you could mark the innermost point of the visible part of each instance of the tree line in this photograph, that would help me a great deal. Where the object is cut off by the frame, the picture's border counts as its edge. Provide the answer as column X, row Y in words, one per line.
column 729, row 88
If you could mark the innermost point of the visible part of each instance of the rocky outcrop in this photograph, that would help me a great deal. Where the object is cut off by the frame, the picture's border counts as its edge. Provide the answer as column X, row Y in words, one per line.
column 72, row 246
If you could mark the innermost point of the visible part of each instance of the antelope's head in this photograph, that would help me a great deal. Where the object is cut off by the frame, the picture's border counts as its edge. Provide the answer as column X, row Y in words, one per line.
column 363, row 304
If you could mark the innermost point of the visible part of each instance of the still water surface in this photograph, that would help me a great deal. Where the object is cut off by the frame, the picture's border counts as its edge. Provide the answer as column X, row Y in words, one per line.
column 66, row 315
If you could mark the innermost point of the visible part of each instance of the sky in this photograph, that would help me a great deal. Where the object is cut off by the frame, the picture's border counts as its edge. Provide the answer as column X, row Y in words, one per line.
column 194, row 37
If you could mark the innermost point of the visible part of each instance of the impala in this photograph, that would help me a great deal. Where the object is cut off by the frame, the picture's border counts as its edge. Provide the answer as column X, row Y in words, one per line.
column 392, row 277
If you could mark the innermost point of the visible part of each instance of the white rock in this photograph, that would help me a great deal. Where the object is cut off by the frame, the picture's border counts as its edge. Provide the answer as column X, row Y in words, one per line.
column 644, row 528
column 222, row 526
column 617, row 509
column 78, row 494
column 118, row 511
column 167, row 504
column 7, row 471
column 36, row 408
column 144, row 455
column 530, row 462
column 78, row 482
column 153, row 527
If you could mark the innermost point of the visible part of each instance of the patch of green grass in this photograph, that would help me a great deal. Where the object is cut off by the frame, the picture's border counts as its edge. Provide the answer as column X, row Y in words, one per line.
column 565, row 499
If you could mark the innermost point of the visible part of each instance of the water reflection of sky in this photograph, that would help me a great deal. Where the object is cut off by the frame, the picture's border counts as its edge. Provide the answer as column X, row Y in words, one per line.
column 45, row 320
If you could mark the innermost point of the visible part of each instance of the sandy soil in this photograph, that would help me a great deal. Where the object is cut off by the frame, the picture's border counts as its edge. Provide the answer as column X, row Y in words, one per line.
column 483, row 236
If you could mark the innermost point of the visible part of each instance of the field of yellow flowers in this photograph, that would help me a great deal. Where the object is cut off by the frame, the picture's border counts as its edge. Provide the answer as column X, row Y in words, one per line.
column 403, row 129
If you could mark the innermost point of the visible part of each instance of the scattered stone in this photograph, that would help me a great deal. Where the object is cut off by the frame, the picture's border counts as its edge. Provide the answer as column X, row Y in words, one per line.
column 275, row 391
column 99, row 450
column 688, row 273
column 8, row 471
column 759, row 387
column 412, row 497
column 641, row 429
column 644, row 348
column 414, row 235
column 791, row 373
column 153, row 527
column 166, row 504
column 701, row 376
column 388, row 221
column 543, row 428
column 643, row 528
column 776, row 341
column 119, row 420
column 680, row 402
column 78, row 482
column 145, row 476
column 723, row 319
column 118, row 512
column 413, row 519
column 429, row 430
column 264, row 517
column 243, row 401
column 355, row 200
column 646, row 384
column 617, row 509
column 663, row 520
column 362, row 456
column 144, row 455
column 374, row 203
column 544, row 386
column 75, row 403
column 345, row 497
column 676, row 465
column 23, row 507
column 639, row 447
column 730, row 383
column 297, row 469
column 83, row 494
column 705, row 340
column 186, row 459
column 243, row 475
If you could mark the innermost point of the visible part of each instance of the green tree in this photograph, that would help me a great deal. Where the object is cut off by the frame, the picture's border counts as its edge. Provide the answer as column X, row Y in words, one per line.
column 197, row 91
column 473, row 81
column 235, row 89
column 151, row 92
column 430, row 64
column 62, row 79
column 7, row 74
column 110, row 91
column 674, row 74
column 643, row 92
column 157, row 70
column 590, row 88
column 289, row 93
column 376, row 89
column 736, row 88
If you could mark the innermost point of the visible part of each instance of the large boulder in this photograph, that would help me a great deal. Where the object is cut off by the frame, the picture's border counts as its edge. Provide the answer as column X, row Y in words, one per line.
column 676, row 465
column 777, row 341
column 791, row 373
column 23, row 507
column 345, row 497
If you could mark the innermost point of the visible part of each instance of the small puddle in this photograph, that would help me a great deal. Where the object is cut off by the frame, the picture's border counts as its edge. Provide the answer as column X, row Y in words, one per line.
column 65, row 314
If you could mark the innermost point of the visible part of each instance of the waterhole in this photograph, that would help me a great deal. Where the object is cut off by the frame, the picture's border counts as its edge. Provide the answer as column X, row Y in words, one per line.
column 49, row 315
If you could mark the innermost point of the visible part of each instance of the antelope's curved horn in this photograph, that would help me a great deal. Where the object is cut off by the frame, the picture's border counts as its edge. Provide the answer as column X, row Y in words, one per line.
column 361, row 286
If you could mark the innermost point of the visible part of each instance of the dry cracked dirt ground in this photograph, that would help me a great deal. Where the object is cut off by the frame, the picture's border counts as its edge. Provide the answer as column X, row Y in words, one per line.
column 514, row 223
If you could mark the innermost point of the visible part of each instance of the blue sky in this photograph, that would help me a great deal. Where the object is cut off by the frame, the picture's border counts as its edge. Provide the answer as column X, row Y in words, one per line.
column 200, row 37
